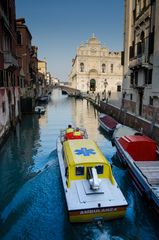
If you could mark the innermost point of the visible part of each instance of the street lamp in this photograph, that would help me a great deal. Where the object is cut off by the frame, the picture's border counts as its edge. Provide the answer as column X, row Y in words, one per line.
column 105, row 87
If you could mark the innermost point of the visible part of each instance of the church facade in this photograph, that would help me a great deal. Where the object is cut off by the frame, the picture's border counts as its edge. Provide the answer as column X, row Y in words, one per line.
column 96, row 69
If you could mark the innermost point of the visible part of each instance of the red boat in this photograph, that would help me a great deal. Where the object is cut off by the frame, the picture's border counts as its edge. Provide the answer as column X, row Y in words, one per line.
column 107, row 123
column 140, row 155
column 140, row 148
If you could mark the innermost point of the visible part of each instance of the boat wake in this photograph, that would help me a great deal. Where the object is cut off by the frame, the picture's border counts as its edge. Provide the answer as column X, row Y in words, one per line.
column 105, row 235
column 48, row 161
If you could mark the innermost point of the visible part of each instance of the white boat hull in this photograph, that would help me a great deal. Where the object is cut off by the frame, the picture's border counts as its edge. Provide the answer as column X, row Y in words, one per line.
column 147, row 190
column 39, row 110
column 84, row 204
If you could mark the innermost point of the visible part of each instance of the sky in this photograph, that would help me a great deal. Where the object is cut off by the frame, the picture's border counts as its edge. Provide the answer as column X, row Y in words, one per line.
column 58, row 27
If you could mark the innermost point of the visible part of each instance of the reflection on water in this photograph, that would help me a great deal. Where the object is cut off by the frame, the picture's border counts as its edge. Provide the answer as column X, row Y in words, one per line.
column 85, row 116
column 32, row 203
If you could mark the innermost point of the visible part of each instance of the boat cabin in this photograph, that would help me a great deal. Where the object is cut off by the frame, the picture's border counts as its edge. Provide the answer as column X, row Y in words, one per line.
column 84, row 160
column 140, row 148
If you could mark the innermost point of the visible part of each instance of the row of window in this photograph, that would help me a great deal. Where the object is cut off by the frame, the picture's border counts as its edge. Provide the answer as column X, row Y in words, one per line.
column 150, row 99
column 147, row 77
column 103, row 68
column 139, row 9
column 7, row 80
column 140, row 5
column 79, row 171
column 118, row 87
column 142, row 46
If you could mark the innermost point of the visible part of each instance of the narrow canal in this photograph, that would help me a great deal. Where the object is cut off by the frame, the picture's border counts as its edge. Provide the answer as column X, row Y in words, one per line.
column 32, row 203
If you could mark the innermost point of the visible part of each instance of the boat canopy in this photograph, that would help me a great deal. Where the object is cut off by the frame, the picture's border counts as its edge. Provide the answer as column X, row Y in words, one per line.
column 83, row 151
column 140, row 148
column 80, row 156
column 109, row 121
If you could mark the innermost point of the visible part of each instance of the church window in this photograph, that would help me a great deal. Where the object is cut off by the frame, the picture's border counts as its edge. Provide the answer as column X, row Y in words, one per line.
column 111, row 68
column 118, row 88
column 82, row 67
column 103, row 68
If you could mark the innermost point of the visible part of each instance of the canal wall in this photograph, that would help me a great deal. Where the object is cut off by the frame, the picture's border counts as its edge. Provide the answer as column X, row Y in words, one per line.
column 140, row 124
column 149, row 128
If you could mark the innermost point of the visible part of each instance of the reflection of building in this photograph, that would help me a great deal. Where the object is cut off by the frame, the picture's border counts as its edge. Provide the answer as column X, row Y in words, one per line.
column 141, row 57
column 88, row 121
column 94, row 66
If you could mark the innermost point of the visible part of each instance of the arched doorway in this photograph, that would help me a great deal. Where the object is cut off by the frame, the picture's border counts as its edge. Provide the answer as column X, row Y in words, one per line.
column 92, row 85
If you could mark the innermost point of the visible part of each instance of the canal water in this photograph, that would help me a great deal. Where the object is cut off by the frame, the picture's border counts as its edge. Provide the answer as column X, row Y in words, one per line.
column 32, row 202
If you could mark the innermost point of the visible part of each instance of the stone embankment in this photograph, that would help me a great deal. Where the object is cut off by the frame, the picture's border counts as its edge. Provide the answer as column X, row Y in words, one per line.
column 149, row 128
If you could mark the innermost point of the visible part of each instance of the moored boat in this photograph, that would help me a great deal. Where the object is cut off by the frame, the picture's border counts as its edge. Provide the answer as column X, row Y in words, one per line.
column 107, row 123
column 90, row 189
column 140, row 155
column 123, row 130
column 40, row 109
column 44, row 98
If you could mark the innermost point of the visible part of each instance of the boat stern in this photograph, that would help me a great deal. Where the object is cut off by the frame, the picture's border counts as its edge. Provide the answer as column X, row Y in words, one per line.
column 90, row 215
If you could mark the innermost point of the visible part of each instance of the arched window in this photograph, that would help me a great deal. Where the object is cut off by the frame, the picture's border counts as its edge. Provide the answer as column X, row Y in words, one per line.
column 111, row 68
column 82, row 67
column 92, row 85
column 103, row 68
column 118, row 88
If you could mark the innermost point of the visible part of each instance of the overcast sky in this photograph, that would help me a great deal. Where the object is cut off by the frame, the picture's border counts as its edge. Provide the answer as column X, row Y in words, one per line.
column 58, row 27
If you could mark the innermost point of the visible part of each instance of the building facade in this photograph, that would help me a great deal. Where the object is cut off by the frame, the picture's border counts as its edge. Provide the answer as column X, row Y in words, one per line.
column 28, row 65
column 141, row 58
column 24, row 55
column 34, row 71
column 42, row 76
column 9, row 69
column 96, row 69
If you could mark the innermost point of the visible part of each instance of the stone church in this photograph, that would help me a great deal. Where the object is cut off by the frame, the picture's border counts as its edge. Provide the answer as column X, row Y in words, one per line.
column 96, row 69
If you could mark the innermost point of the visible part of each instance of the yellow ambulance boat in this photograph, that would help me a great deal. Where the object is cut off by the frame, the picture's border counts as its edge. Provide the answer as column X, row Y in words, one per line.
column 90, row 189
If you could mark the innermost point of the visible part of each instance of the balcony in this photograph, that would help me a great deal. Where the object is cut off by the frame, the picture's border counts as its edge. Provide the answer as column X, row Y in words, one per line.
column 9, row 59
column 139, row 62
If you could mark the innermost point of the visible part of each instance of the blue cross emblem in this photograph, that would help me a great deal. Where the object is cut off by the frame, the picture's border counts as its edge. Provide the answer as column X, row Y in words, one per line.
column 84, row 151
